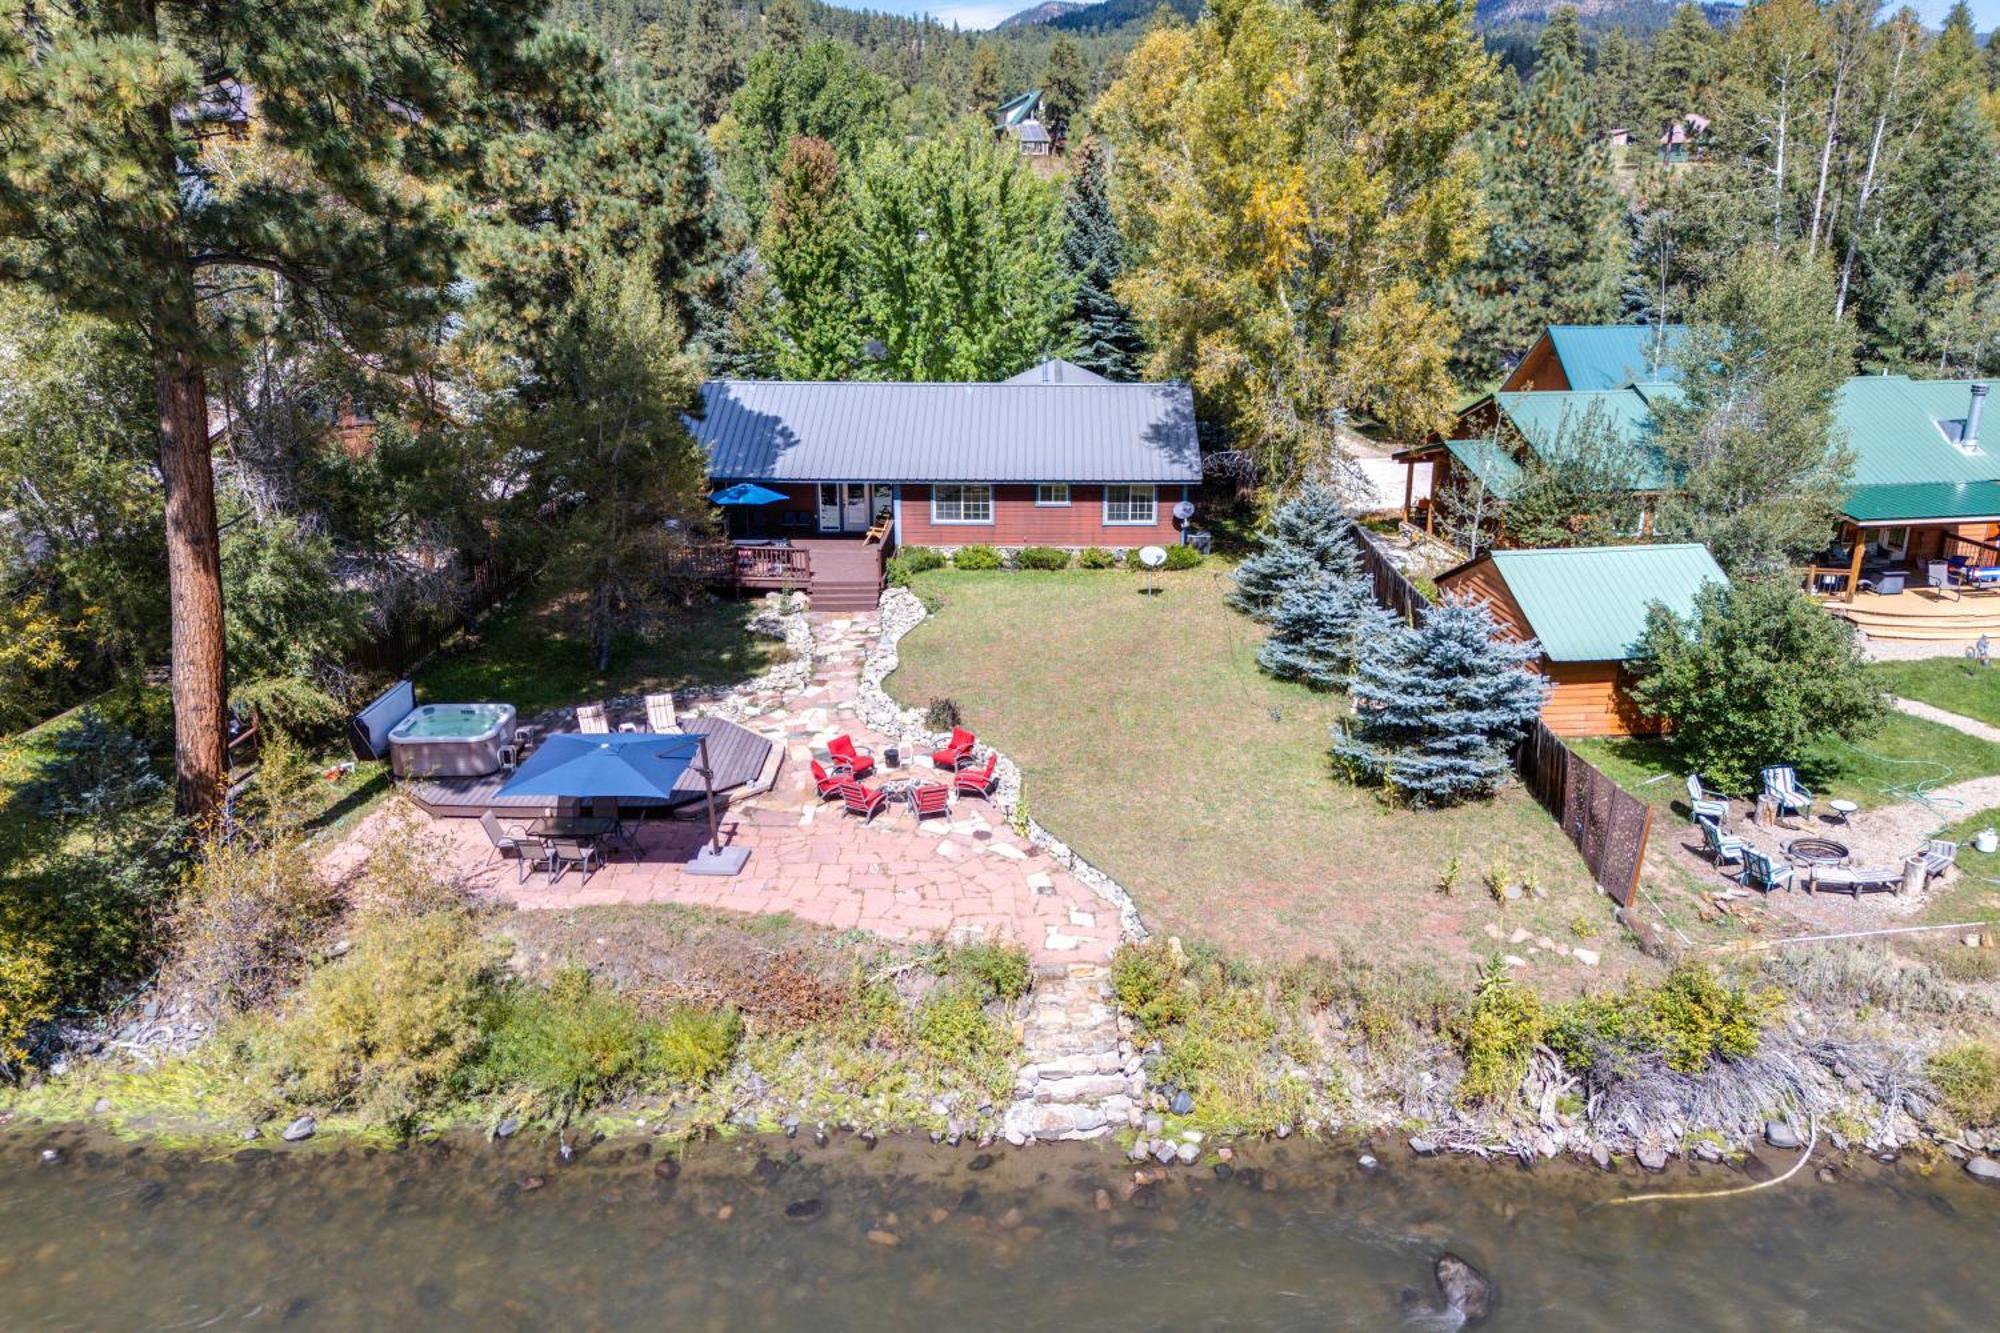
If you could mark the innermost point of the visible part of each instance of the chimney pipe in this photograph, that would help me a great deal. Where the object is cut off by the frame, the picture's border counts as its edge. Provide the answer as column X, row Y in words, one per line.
column 1972, row 414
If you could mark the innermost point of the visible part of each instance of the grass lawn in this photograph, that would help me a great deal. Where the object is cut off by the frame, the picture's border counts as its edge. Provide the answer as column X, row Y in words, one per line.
column 1155, row 747
column 1877, row 770
column 1951, row 683
column 535, row 654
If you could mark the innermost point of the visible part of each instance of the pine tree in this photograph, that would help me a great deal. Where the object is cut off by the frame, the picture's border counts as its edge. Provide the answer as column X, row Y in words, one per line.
column 1438, row 707
column 129, row 193
column 1557, row 251
column 1093, row 250
column 986, row 90
column 1681, row 73
column 706, row 67
column 1322, row 627
column 1065, row 85
column 812, row 331
column 1307, row 536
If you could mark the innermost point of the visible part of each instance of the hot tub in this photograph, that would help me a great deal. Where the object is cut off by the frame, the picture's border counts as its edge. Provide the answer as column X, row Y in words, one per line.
column 451, row 740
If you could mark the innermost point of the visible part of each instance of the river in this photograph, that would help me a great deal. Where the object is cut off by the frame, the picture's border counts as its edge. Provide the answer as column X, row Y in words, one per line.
column 769, row 1234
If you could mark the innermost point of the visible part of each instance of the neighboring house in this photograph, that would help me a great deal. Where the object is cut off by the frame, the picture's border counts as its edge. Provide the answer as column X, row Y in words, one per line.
column 1685, row 139
column 1598, row 356
column 1053, row 457
column 1033, row 138
column 1586, row 608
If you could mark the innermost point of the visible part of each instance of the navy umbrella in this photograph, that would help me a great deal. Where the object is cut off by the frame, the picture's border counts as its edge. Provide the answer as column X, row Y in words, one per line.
column 631, row 765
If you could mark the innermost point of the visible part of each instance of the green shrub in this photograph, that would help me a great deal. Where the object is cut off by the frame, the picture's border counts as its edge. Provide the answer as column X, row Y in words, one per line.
column 575, row 1045
column 1096, row 557
column 1182, row 557
column 1041, row 557
column 976, row 557
column 389, row 1028
column 999, row 971
column 1147, row 979
column 1689, row 1020
column 1498, row 1036
column 1967, row 1079
column 942, row 715
column 910, row 561
column 952, row 1026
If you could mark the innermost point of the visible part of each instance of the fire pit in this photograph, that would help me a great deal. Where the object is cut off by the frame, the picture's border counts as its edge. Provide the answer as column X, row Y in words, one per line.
column 1816, row 851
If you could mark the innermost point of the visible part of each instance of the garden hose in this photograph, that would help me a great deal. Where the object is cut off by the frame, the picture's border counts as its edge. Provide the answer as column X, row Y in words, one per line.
column 1920, row 791
column 1661, row 1196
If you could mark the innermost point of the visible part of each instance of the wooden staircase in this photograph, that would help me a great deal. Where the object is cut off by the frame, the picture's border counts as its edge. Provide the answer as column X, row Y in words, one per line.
column 1923, row 616
column 846, row 575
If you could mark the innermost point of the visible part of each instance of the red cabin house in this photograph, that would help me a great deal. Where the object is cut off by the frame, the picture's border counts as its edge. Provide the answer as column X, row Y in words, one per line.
column 1056, row 456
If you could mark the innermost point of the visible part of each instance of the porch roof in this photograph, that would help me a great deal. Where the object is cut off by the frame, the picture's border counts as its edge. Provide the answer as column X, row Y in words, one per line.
column 1924, row 501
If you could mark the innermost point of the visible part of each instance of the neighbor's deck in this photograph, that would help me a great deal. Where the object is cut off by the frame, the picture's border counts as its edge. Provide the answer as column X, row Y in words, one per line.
column 1923, row 614
column 737, row 755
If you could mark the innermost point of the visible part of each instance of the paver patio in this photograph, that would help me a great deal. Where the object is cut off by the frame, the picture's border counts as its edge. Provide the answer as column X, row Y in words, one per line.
column 970, row 877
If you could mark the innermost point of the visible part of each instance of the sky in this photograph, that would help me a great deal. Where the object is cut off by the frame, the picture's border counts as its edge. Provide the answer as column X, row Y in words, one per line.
column 977, row 14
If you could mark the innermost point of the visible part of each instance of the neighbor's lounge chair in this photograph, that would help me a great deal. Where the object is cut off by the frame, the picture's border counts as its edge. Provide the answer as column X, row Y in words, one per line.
column 1763, row 871
column 1781, row 784
column 516, row 847
column 590, row 720
column 825, row 783
column 930, row 798
column 1723, row 848
column 863, row 801
column 979, row 782
column 1697, row 792
column 858, row 763
column 1710, row 812
column 957, row 751
column 660, row 715
column 566, row 852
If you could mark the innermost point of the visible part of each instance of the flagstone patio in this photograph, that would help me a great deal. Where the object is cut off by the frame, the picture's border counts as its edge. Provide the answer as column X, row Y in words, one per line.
column 969, row 877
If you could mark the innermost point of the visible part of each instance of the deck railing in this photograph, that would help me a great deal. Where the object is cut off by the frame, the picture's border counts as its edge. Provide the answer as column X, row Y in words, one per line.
column 727, row 564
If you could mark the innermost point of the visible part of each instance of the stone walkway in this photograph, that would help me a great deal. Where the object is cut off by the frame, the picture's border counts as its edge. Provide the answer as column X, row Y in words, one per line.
column 1971, row 726
column 968, row 877
column 1082, row 1077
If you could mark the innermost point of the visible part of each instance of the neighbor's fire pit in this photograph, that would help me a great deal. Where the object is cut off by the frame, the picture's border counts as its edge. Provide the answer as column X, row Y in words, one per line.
column 1816, row 851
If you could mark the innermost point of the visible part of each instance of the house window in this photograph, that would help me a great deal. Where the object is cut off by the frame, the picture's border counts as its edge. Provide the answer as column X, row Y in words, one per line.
column 962, row 502
column 1130, row 505
column 1052, row 495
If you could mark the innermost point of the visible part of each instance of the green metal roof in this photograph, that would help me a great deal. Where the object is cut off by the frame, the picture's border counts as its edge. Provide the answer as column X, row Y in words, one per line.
column 1611, row 356
column 1892, row 426
column 1924, row 501
column 1489, row 462
column 1549, row 421
column 1588, row 604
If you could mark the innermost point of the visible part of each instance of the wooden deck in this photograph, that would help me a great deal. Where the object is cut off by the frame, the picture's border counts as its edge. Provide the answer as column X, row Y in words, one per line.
column 1923, row 614
column 843, row 571
column 737, row 754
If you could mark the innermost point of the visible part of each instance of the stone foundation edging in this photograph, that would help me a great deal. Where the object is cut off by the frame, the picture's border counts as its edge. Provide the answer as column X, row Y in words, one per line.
column 901, row 612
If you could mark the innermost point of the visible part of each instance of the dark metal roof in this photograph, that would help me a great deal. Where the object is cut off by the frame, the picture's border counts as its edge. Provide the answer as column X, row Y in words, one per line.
column 779, row 430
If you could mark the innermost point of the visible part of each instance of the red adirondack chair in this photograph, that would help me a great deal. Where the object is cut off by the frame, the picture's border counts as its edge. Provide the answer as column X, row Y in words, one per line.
column 862, row 801
column 930, row 798
column 979, row 782
column 858, row 763
column 957, row 751
column 825, row 783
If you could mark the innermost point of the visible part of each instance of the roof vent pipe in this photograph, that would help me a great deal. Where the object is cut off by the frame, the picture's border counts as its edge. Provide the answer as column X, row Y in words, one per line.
column 1972, row 412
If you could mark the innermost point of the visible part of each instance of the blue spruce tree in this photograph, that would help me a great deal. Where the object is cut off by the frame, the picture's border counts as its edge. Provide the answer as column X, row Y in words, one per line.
column 1321, row 628
column 1438, row 707
column 1306, row 538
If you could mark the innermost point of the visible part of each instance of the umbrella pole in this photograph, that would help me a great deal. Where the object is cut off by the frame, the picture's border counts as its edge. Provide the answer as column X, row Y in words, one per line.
column 708, row 792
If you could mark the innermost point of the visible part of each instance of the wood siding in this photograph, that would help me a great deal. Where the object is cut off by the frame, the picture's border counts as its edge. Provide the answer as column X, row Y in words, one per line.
column 1018, row 521
column 1585, row 698
column 1540, row 369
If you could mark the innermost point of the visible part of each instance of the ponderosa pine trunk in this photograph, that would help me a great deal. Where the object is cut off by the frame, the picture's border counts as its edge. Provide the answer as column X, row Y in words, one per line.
column 194, row 587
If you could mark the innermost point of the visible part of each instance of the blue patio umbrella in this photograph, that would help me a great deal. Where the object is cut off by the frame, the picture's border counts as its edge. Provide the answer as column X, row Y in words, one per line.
column 747, row 493
column 631, row 765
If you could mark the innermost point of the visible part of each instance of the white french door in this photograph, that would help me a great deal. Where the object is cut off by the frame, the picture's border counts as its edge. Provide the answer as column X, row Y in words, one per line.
column 844, row 506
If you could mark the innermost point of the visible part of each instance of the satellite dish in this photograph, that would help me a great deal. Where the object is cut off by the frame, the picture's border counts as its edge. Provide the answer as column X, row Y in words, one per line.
column 1184, row 510
column 1152, row 557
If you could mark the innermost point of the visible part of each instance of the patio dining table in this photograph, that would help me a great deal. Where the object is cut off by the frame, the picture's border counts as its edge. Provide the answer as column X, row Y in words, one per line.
column 585, row 827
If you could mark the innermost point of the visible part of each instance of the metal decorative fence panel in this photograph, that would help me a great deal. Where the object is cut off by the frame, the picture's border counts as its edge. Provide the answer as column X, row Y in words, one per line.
column 1608, row 825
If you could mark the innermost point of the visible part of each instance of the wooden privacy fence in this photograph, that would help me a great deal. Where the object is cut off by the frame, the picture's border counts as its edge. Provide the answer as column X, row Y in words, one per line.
column 1608, row 825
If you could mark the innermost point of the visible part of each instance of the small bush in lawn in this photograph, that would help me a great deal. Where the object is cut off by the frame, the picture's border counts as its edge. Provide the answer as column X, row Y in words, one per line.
column 976, row 557
column 1000, row 971
column 942, row 714
column 1182, row 557
column 1499, row 1034
column 1042, row 557
column 910, row 561
column 952, row 1026
column 1096, row 557
column 1967, row 1079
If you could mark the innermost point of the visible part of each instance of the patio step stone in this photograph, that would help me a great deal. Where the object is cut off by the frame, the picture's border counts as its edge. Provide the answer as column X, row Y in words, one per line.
column 1081, row 1080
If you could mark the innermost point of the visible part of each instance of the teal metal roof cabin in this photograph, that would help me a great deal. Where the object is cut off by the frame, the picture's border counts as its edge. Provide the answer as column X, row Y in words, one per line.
column 1598, row 356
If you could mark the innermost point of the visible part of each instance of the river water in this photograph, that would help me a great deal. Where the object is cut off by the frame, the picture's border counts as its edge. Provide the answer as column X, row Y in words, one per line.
column 767, row 1234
